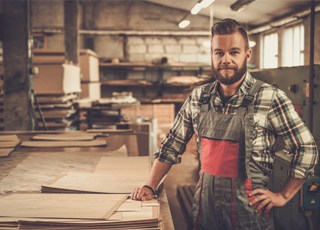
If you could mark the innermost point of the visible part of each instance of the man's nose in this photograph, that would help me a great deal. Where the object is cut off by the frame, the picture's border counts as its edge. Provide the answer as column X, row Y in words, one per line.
column 226, row 58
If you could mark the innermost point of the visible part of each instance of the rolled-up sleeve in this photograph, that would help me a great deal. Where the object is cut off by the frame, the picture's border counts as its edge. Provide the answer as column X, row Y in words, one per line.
column 175, row 141
column 297, row 137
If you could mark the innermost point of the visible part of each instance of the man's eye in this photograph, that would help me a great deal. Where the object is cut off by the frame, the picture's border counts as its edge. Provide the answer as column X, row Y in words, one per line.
column 219, row 54
column 234, row 52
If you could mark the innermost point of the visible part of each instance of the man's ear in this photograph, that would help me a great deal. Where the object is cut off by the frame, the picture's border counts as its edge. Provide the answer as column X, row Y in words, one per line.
column 249, row 54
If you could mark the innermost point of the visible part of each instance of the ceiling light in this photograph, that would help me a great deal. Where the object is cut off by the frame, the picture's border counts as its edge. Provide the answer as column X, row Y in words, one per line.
column 184, row 24
column 197, row 7
column 240, row 4
column 201, row 5
column 206, row 3
column 252, row 44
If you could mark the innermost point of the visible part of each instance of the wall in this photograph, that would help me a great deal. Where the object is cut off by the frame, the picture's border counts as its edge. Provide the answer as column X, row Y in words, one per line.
column 316, row 40
column 306, row 21
column 104, row 17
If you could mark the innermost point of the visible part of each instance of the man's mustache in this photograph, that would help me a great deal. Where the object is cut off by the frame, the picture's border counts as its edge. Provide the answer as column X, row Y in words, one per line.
column 227, row 67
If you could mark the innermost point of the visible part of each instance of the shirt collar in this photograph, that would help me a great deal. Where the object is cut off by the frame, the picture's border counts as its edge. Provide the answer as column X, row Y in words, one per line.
column 244, row 88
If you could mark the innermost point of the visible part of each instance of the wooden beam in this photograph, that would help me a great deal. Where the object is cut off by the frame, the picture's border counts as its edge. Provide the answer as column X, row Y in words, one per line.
column 18, row 105
column 71, row 28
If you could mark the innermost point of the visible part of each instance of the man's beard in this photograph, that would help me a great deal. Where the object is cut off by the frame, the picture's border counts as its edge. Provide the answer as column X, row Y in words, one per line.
column 229, row 80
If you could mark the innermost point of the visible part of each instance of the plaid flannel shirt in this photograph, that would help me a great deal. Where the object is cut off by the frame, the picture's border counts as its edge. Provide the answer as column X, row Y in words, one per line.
column 274, row 116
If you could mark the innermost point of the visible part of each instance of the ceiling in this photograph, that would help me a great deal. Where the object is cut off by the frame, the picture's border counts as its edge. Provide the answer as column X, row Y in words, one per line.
column 257, row 13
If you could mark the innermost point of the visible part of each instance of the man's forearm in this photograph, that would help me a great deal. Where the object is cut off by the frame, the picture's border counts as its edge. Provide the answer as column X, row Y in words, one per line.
column 264, row 200
column 158, row 171
column 291, row 187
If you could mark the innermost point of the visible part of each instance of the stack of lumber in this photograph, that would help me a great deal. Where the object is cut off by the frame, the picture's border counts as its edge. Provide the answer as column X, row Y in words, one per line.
column 106, row 112
column 77, row 211
column 59, row 112
column 95, row 200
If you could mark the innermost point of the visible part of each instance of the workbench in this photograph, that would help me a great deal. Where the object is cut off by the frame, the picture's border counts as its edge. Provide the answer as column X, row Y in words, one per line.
column 51, row 163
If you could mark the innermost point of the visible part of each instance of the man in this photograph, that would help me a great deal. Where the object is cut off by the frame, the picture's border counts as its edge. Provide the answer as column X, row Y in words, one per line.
column 237, row 120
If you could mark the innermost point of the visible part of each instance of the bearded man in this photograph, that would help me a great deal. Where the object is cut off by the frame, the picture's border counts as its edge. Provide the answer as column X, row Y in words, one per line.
column 237, row 120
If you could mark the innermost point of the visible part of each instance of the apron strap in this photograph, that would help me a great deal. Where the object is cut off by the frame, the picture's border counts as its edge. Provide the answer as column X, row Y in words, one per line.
column 205, row 98
column 246, row 137
column 248, row 98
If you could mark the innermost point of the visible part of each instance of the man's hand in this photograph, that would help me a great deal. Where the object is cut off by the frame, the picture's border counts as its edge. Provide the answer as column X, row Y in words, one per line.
column 142, row 194
column 264, row 200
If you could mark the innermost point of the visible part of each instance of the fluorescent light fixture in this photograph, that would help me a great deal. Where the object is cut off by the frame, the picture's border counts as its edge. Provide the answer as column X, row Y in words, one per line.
column 252, row 44
column 206, row 3
column 201, row 5
column 240, row 4
column 184, row 24
column 196, row 8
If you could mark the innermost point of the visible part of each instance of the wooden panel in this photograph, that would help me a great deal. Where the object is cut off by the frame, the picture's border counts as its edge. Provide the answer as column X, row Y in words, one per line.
column 65, row 137
column 76, row 206
column 48, row 144
column 5, row 151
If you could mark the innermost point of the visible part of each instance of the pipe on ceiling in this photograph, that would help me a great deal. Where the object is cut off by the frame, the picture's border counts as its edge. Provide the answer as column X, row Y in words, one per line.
column 282, row 21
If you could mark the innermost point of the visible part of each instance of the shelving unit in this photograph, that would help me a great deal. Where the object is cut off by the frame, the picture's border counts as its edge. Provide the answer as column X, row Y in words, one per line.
column 147, row 82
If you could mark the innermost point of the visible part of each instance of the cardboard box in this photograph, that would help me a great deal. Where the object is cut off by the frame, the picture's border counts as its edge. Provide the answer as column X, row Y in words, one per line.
column 164, row 113
column 90, row 90
column 57, row 78
column 89, row 64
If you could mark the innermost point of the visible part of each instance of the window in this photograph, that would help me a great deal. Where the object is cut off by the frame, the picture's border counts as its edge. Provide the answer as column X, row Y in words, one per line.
column 293, row 46
column 270, row 51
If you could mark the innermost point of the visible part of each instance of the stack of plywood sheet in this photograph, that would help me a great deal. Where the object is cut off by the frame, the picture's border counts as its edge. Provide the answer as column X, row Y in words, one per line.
column 76, row 210
column 59, row 112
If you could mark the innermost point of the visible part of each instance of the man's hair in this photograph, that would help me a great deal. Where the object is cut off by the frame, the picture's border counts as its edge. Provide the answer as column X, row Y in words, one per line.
column 229, row 26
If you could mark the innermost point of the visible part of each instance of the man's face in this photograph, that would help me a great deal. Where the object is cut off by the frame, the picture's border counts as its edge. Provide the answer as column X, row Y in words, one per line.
column 229, row 58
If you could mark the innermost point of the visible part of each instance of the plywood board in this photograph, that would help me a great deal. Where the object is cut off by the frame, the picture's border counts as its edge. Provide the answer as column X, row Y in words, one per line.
column 5, row 151
column 65, row 137
column 50, row 144
column 122, row 151
column 123, row 183
column 9, row 144
column 76, row 206
column 9, row 138
column 123, row 165
column 109, row 131
column 130, row 215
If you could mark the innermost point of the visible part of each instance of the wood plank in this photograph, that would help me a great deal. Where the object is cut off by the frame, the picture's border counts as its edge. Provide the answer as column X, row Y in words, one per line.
column 9, row 138
column 4, row 152
column 65, row 137
column 76, row 206
column 96, row 183
column 9, row 144
column 124, row 164
column 120, row 131
column 49, row 144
